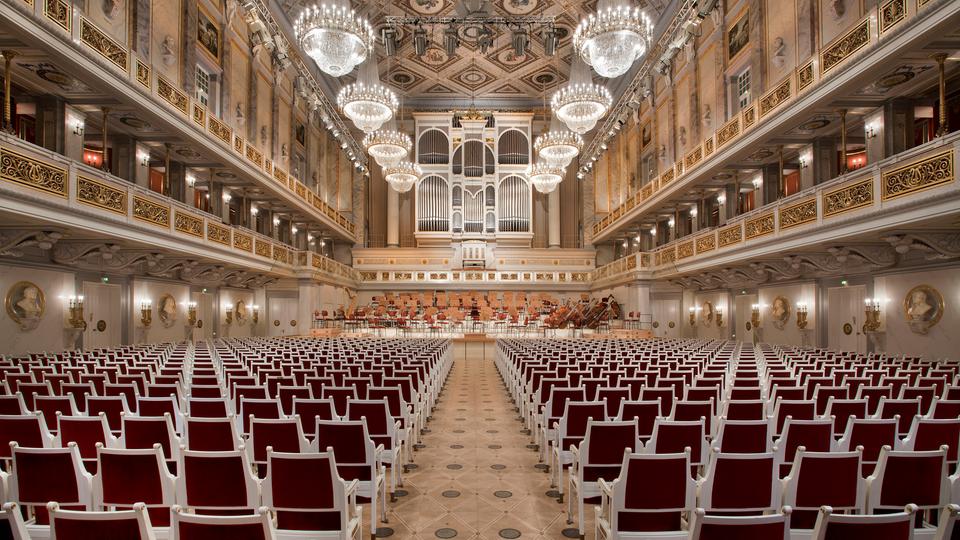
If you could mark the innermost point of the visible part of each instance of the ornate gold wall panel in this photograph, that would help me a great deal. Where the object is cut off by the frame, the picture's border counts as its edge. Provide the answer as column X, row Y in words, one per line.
column 171, row 95
column 100, row 195
column 749, row 116
column 805, row 76
column 694, row 157
column 199, row 115
column 759, row 226
column 218, row 234
column 848, row 198
column 254, row 155
column 892, row 13
column 219, row 129
column 775, row 98
column 151, row 212
column 851, row 42
column 666, row 177
column 730, row 235
column 143, row 74
column 685, row 250
column 798, row 214
column 58, row 11
column 186, row 223
column 706, row 243
column 32, row 173
column 262, row 249
column 730, row 130
column 103, row 44
column 243, row 241
column 918, row 176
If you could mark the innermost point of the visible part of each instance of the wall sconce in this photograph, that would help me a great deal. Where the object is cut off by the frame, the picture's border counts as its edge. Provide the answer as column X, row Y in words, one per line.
column 804, row 163
column 146, row 313
column 719, row 317
column 693, row 316
column 276, row 221
column 227, row 197
column 671, row 222
column 294, row 230
column 755, row 315
column 78, row 128
column 801, row 315
column 254, row 210
column 191, row 180
column 228, row 314
column 143, row 158
column 870, row 130
column 871, row 310
column 192, row 313
column 75, row 305
column 256, row 313
column 721, row 199
column 694, row 211
column 757, row 182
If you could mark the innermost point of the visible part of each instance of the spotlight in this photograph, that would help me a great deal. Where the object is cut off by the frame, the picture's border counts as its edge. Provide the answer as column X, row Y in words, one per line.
column 389, row 36
column 550, row 41
column 521, row 38
column 485, row 40
column 451, row 40
column 420, row 41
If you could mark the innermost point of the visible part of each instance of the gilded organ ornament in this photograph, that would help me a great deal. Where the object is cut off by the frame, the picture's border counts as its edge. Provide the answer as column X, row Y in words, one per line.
column 923, row 308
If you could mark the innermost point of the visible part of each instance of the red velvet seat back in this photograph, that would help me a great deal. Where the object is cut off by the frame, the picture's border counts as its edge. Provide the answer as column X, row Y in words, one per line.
column 215, row 481
column 86, row 529
column 210, row 436
column 766, row 531
column 46, row 477
column 24, row 430
column 742, row 483
column 912, row 479
column 869, row 531
column 195, row 531
column 828, row 480
column 281, row 436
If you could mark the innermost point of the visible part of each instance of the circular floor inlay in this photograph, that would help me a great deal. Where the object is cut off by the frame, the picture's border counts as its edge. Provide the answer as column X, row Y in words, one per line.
column 401, row 493
column 454, row 466
column 445, row 532
column 531, row 447
column 509, row 534
column 541, row 466
column 503, row 494
column 456, row 446
column 493, row 431
column 494, row 446
column 571, row 533
column 383, row 532
column 451, row 493
column 498, row 466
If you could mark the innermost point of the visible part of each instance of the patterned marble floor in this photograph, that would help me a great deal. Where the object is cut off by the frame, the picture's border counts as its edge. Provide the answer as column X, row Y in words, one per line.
column 476, row 477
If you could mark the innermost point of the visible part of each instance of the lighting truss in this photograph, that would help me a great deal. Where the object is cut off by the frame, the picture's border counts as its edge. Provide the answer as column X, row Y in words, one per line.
column 471, row 20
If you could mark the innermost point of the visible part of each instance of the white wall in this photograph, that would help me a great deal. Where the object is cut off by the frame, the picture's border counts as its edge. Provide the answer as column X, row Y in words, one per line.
column 239, row 327
column 666, row 310
column 143, row 289
column 50, row 334
column 721, row 304
column 942, row 340
column 790, row 334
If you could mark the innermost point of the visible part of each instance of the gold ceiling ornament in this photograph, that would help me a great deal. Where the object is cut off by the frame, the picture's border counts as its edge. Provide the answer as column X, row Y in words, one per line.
column 923, row 308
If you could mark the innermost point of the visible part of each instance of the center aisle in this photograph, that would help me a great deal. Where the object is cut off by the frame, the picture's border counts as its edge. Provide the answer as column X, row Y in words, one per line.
column 475, row 477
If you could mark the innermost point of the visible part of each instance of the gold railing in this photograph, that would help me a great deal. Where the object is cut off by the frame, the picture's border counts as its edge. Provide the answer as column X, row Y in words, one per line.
column 872, row 189
column 55, row 179
column 127, row 64
column 803, row 79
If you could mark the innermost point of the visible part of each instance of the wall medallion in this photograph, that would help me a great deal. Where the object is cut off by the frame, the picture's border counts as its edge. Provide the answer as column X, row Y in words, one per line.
column 25, row 304
column 923, row 308
column 167, row 310
column 780, row 312
column 847, row 328
column 276, row 322
column 671, row 324
column 101, row 325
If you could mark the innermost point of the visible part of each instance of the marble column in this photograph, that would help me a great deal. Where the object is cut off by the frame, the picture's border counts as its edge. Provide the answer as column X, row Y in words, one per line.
column 553, row 215
column 393, row 217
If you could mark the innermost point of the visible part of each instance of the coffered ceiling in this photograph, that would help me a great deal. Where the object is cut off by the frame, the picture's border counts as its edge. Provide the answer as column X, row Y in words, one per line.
column 498, row 78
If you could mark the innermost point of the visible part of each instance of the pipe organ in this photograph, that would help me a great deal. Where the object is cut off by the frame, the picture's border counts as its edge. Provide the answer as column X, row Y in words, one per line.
column 474, row 187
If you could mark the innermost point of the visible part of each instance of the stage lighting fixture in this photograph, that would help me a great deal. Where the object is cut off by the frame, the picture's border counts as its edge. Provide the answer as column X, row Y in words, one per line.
column 389, row 36
column 550, row 41
column 521, row 38
column 451, row 40
column 420, row 41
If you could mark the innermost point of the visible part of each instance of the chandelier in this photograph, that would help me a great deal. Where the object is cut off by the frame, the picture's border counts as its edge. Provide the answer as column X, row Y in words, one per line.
column 559, row 147
column 613, row 39
column 402, row 176
column 368, row 105
column 579, row 106
column 545, row 176
column 387, row 146
column 335, row 37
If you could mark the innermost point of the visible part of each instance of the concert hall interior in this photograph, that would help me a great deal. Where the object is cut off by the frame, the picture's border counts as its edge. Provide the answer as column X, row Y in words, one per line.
column 479, row 269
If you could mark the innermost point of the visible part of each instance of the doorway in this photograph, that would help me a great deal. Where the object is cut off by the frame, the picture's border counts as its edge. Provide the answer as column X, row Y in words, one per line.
column 845, row 318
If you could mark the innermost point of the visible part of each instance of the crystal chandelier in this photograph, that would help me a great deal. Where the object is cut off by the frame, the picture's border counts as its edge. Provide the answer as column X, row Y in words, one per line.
column 335, row 37
column 612, row 39
column 579, row 106
column 387, row 146
column 558, row 146
column 402, row 176
column 545, row 176
column 368, row 105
